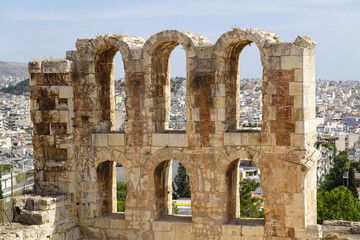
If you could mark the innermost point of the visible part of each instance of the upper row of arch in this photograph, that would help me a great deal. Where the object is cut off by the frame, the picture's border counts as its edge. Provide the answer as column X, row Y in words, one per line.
column 132, row 47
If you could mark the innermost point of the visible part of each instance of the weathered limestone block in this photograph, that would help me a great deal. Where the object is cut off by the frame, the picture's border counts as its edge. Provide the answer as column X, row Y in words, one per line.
column 66, row 92
column 281, row 49
column 116, row 139
column 232, row 139
column 304, row 41
column 252, row 231
column 100, row 140
column 34, row 67
column 33, row 217
column 63, row 66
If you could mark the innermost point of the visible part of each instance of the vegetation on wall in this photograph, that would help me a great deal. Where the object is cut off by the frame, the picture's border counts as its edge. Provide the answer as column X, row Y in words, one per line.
column 198, row 82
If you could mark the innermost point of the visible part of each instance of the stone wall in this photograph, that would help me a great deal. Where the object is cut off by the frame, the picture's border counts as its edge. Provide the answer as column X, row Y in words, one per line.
column 75, row 147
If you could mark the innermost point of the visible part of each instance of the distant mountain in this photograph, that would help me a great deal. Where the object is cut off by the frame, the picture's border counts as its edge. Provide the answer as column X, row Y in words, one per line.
column 19, row 89
column 13, row 70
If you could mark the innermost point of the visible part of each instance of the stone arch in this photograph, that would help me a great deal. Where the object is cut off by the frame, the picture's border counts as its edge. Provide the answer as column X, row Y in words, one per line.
column 110, row 154
column 227, row 52
column 105, row 167
column 156, row 54
column 159, row 171
column 233, row 184
column 231, row 174
column 188, row 40
column 232, row 42
column 167, row 153
column 248, row 153
column 100, row 53
column 128, row 46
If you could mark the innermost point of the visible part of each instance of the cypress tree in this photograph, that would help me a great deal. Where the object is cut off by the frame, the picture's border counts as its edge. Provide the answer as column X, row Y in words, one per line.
column 352, row 183
column 182, row 182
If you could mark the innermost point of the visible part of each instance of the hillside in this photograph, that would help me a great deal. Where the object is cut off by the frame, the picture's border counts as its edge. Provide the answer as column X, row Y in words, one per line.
column 18, row 89
column 13, row 70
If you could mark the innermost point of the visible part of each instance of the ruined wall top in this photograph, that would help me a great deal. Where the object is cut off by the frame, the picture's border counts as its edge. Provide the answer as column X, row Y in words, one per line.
column 132, row 47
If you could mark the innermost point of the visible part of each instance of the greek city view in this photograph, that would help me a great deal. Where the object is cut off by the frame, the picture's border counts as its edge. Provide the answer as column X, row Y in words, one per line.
column 116, row 126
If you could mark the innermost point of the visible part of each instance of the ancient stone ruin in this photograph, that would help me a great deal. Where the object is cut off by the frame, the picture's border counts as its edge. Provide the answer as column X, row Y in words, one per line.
column 76, row 147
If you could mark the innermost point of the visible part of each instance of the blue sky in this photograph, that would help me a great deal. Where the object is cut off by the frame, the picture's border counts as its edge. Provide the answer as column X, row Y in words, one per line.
column 37, row 29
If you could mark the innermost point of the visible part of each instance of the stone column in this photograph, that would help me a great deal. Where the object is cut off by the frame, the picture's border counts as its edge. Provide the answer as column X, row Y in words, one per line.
column 52, row 111
column 288, row 161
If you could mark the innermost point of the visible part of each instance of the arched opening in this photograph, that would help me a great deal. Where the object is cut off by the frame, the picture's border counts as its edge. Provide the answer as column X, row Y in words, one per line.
column 121, row 188
column 177, row 119
column 119, row 95
column 172, row 190
column 111, row 187
column 243, row 97
column 106, row 187
column 160, row 75
column 250, row 89
column 181, row 196
column 111, row 102
column 244, row 191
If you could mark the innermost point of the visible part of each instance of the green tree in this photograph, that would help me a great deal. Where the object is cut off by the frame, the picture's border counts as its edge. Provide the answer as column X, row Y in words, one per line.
column 352, row 183
column 175, row 209
column 4, row 168
column 121, row 191
column 249, row 205
column 338, row 204
column 335, row 177
column 182, row 183
column 355, row 165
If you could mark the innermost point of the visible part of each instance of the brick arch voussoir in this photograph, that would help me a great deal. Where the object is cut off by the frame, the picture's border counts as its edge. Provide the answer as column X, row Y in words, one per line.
column 250, row 154
column 114, row 155
column 126, row 45
column 166, row 154
column 189, row 41
column 110, row 154
column 129, row 46
column 171, row 153
column 262, row 39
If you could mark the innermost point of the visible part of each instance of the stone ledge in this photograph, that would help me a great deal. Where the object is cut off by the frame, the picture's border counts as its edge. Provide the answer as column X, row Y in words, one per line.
column 108, row 139
column 242, row 138
column 249, row 228
column 63, row 66
column 169, row 139
column 40, row 202
column 181, row 225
